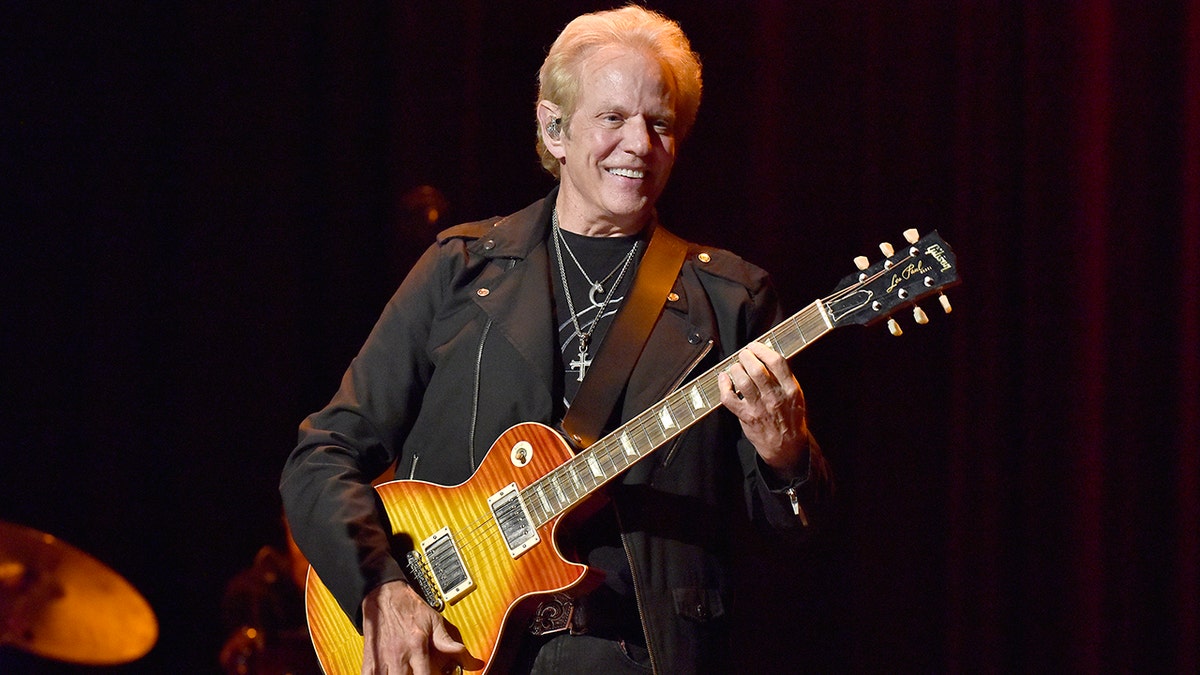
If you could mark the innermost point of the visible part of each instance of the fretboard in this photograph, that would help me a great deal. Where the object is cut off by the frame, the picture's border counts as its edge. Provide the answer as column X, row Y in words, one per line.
column 578, row 478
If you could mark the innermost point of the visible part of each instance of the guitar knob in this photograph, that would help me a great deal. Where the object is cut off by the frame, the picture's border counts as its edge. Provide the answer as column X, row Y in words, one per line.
column 862, row 262
column 919, row 316
column 887, row 249
column 911, row 235
column 945, row 302
column 894, row 328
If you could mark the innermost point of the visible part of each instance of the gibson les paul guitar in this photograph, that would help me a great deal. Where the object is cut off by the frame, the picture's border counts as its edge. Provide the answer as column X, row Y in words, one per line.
column 483, row 553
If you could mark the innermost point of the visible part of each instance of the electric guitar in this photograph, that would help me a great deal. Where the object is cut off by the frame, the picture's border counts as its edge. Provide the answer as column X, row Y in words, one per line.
column 483, row 553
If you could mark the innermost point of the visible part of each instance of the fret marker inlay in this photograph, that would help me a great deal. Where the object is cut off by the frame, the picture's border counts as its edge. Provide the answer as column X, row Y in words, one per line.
column 667, row 421
column 627, row 445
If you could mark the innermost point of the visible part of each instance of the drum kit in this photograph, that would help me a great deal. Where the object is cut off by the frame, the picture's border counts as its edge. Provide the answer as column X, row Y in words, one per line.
column 59, row 603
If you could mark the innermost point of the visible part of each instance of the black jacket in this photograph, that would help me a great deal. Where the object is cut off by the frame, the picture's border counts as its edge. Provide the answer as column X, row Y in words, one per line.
column 465, row 349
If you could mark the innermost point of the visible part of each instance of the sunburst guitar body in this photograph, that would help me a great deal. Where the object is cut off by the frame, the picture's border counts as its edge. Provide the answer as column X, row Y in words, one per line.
column 452, row 535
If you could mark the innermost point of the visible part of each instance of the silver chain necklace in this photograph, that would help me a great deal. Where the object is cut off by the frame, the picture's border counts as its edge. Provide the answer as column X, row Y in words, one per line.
column 596, row 287
column 582, row 363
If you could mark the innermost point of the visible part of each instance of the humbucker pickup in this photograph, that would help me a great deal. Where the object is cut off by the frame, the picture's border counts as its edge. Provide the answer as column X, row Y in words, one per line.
column 446, row 565
column 515, row 524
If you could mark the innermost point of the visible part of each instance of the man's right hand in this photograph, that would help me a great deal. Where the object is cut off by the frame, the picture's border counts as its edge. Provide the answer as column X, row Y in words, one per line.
column 405, row 636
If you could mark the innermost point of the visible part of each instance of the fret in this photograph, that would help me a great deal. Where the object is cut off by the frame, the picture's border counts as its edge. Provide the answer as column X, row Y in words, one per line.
column 589, row 471
column 786, row 340
column 535, row 512
column 659, row 434
column 665, row 419
column 686, row 409
column 595, row 467
column 627, row 444
column 615, row 457
column 681, row 412
column 643, row 427
column 644, row 422
column 713, row 389
column 607, row 448
column 605, row 457
column 570, row 487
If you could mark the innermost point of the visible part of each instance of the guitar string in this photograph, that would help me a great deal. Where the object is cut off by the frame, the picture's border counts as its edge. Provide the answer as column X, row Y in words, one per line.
column 610, row 453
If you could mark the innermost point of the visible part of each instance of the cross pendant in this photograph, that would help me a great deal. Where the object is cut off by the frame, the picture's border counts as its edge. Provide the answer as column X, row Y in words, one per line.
column 581, row 364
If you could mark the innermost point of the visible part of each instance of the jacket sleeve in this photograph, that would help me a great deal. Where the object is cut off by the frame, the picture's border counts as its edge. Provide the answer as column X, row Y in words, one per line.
column 800, row 505
column 326, row 488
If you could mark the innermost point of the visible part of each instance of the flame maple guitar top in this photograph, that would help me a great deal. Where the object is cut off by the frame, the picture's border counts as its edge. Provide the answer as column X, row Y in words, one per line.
column 417, row 510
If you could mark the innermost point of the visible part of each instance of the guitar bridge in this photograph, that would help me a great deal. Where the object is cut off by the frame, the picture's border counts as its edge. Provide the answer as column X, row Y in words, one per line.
column 420, row 574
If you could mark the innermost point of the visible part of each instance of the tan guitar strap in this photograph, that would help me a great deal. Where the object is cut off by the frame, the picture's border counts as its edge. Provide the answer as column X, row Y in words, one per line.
column 606, row 378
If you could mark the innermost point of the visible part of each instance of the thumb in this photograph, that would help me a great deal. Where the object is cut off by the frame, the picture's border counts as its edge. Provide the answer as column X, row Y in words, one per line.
column 445, row 643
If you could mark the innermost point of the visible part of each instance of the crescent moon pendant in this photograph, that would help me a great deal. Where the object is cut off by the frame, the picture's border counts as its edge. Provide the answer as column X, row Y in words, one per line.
column 596, row 288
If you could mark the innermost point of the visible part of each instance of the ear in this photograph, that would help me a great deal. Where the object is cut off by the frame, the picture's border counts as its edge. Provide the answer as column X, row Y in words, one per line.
column 547, row 113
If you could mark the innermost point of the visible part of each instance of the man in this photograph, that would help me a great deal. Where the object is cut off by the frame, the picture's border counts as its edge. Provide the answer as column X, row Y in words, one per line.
column 467, row 347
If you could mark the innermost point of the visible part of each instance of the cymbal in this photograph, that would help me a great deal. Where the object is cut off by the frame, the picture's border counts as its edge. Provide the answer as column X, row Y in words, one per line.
column 60, row 603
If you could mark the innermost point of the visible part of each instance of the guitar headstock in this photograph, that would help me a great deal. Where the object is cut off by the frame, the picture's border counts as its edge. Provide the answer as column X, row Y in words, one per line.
column 926, row 267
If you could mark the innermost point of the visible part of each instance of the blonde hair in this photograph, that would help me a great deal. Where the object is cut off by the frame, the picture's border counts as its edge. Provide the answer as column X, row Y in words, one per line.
column 630, row 26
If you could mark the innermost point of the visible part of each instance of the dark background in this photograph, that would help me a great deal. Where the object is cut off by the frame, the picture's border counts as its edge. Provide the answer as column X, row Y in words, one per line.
column 203, row 213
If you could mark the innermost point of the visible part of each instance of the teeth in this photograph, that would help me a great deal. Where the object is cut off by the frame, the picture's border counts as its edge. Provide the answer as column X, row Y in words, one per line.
column 627, row 173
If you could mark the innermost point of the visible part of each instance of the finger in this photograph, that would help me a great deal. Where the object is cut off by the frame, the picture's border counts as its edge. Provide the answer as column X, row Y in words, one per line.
column 731, row 397
column 748, row 378
column 743, row 380
column 725, row 388
column 736, row 380
column 757, row 360
column 777, row 369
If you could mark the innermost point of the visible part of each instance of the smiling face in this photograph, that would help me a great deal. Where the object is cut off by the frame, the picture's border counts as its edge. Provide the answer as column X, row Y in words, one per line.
column 617, row 150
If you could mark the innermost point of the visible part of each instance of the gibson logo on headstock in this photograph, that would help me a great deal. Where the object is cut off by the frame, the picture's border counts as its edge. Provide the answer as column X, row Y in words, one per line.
column 939, row 255
column 910, row 270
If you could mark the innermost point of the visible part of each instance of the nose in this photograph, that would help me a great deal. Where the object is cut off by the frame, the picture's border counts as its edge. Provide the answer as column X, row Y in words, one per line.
column 637, row 139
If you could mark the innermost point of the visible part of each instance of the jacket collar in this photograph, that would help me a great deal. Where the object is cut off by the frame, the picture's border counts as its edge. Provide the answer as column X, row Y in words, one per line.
column 516, row 236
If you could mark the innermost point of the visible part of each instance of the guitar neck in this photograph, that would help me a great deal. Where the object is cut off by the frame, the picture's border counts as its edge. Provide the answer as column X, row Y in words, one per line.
column 575, row 480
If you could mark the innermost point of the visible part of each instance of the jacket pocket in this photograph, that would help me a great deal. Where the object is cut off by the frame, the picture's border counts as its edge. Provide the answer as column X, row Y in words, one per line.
column 698, row 604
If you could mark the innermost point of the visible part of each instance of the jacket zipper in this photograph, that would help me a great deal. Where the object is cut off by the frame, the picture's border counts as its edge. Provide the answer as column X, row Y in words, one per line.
column 477, row 393
column 637, row 593
column 796, row 508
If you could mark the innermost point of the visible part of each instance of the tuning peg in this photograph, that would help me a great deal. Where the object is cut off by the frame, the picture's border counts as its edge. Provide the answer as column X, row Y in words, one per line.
column 945, row 302
column 862, row 262
column 894, row 328
column 919, row 316
column 911, row 235
column 887, row 249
